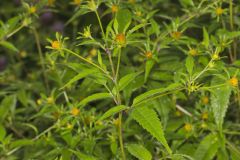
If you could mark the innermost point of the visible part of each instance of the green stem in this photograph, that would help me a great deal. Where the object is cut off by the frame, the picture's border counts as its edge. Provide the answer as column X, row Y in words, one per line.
column 100, row 23
column 15, row 31
column 118, row 64
column 203, row 71
column 41, row 58
column 232, row 28
column 121, row 136
column 111, row 64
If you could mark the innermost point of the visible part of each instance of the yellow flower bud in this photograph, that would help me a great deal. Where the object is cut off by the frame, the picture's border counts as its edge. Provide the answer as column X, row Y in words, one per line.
column 233, row 82
column 75, row 111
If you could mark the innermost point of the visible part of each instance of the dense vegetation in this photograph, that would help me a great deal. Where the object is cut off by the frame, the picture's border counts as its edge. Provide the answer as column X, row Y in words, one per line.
column 119, row 79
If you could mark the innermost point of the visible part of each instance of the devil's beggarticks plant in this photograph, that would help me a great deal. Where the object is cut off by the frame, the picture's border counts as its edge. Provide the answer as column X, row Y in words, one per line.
column 135, row 80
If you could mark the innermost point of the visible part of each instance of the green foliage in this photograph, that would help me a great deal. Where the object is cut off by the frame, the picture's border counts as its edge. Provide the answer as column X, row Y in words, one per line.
column 220, row 101
column 111, row 79
column 139, row 152
column 148, row 119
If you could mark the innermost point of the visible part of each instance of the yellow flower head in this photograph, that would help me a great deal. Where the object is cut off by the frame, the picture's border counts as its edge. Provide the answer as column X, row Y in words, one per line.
column 114, row 9
column 92, row 5
column 203, row 125
column 193, row 52
column 205, row 100
column 211, row 65
column 56, row 45
column 69, row 126
column 219, row 11
column 205, row 116
column 233, row 82
column 23, row 54
column 176, row 35
column 93, row 52
column 148, row 54
column 188, row 127
column 76, row 2
column 32, row 9
column 120, row 39
column 50, row 100
column 215, row 56
column 87, row 32
column 51, row 2
column 39, row 102
column 116, row 122
column 75, row 111
column 99, row 123
column 132, row 1
column 178, row 113
column 138, row 13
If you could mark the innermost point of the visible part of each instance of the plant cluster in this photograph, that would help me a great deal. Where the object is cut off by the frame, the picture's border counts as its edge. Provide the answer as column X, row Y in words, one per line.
column 119, row 79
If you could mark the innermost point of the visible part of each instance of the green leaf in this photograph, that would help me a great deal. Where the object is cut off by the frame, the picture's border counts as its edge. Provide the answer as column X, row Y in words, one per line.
column 205, row 38
column 189, row 64
column 135, row 28
column 8, row 45
column 234, row 150
column 113, row 111
column 82, row 156
column 2, row 132
column 100, row 59
column 79, row 76
column 124, row 18
column 94, row 97
column 186, row 3
column 124, row 81
column 7, row 104
column 148, row 119
column 148, row 68
column 219, row 101
column 139, row 151
column 154, row 92
column 207, row 148
column 77, row 14
column 21, row 143
column 66, row 154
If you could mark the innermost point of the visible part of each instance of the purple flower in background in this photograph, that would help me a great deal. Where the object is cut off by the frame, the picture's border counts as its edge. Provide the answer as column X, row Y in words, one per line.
column 47, row 17
column 58, row 26
column 3, row 63
column 17, row 2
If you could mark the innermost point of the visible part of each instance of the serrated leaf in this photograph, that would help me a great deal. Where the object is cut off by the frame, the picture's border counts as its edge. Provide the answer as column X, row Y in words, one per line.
column 139, row 151
column 94, row 97
column 207, row 148
column 113, row 111
column 149, row 120
column 219, row 101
